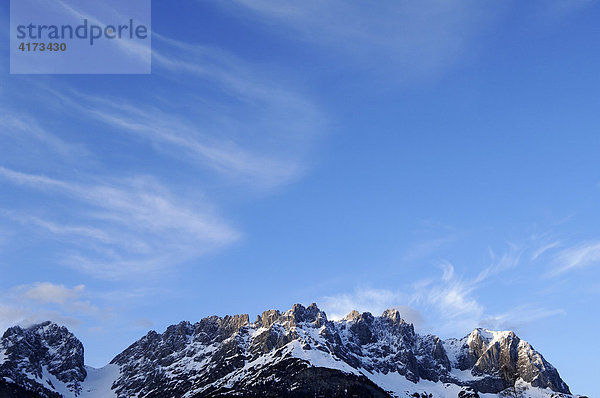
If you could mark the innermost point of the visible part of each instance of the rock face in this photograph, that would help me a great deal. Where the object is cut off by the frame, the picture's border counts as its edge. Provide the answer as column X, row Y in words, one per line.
column 500, row 358
column 296, row 353
column 37, row 357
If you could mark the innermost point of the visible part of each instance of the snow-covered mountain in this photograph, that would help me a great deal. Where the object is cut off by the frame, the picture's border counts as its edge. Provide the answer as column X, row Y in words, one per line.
column 297, row 353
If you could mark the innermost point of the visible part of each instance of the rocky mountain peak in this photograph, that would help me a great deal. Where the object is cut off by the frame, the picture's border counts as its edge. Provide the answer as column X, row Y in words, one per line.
column 356, row 317
column 503, row 356
column 298, row 314
column 268, row 318
column 352, row 316
column 294, row 353
column 44, row 351
column 392, row 314
column 310, row 314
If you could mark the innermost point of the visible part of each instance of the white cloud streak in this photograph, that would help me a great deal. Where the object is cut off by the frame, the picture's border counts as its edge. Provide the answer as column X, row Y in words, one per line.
column 519, row 317
column 451, row 299
column 256, row 130
column 508, row 260
column 133, row 226
column 165, row 129
column 43, row 301
column 129, row 47
column 544, row 249
column 13, row 125
column 448, row 302
column 576, row 257
column 402, row 39
column 258, row 135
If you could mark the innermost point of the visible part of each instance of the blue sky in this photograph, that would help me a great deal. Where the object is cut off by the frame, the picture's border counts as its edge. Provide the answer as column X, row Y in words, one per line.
column 440, row 158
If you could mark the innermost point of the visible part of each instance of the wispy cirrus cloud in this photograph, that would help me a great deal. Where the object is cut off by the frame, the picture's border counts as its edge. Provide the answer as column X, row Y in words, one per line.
column 254, row 130
column 69, row 231
column 540, row 251
column 450, row 298
column 269, row 123
column 180, row 137
column 447, row 303
column 447, row 296
column 403, row 39
column 129, row 47
column 453, row 298
column 257, row 128
column 124, row 227
column 18, row 127
column 507, row 260
column 576, row 257
column 520, row 316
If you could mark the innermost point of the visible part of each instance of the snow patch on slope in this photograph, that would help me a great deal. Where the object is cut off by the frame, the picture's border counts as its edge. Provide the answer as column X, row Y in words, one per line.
column 398, row 386
column 320, row 359
column 453, row 349
column 464, row 375
column 98, row 382
column 50, row 381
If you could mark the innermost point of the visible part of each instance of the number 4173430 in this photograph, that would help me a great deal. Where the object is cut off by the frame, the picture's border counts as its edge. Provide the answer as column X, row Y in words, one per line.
column 42, row 47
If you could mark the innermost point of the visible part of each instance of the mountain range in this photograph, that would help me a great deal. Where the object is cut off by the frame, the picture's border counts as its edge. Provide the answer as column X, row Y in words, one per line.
column 296, row 353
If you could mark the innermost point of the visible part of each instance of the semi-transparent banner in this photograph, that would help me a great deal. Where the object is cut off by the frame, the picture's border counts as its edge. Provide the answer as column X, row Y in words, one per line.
column 80, row 36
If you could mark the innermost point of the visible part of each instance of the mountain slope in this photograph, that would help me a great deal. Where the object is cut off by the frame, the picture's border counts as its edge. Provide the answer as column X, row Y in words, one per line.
column 296, row 353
